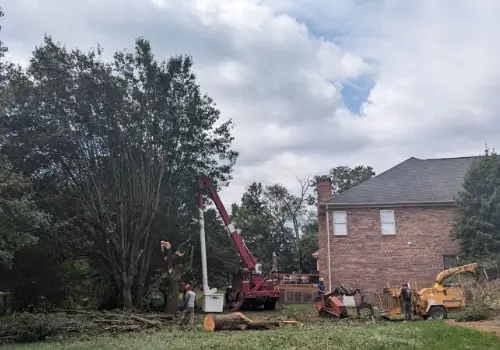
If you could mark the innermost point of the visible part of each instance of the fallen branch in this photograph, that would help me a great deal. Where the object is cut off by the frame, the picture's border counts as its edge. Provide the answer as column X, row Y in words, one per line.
column 143, row 320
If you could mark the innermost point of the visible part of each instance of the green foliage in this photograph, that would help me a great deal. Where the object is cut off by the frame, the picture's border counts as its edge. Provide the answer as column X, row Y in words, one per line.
column 264, row 221
column 19, row 215
column 344, row 177
column 271, row 219
column 477, row 227
column 308, row 244
column 111, row 146
column 222, row 254
column 29, row 327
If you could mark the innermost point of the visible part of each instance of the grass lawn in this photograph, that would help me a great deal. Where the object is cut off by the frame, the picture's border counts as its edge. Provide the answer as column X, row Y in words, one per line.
column 416, row 335
column 314, row 333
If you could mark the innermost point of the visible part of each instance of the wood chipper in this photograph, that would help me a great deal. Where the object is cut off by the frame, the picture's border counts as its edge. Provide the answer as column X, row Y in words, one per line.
column 433, row 302
column 331, row 304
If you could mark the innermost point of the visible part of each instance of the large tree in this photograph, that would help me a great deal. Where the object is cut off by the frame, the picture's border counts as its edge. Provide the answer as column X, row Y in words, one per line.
column 270, row 219
column 344, row 177
column 477, row 228
column 123, row 140
column 288, row 209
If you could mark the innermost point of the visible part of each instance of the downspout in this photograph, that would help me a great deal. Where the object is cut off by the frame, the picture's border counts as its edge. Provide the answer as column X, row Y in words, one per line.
column 328, row 247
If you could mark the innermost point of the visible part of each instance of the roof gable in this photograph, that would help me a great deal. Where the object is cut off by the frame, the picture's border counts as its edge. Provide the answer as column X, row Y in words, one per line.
column 412, row 181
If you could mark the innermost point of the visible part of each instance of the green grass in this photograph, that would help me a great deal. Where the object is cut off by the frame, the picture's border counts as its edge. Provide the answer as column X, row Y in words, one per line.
column 417, row 335
column 314, row 333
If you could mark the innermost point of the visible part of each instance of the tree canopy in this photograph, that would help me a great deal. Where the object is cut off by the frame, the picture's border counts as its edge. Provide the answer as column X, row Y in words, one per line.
column 344, row 177
column 115, row 147
column 271, row 219
column 477, row 227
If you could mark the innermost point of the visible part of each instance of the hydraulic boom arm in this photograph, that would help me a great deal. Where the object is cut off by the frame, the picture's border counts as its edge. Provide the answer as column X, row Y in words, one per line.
column 205, row 186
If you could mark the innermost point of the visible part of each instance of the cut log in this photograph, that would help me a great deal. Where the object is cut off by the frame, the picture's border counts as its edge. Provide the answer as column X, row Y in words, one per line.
column 224, row 322
column 238, row 321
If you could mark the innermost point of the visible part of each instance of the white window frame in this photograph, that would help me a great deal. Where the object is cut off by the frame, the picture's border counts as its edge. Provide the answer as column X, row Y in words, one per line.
column 388, row 211
column 335, row 213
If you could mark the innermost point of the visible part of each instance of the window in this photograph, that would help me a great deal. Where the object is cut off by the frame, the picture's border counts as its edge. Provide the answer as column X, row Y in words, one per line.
column 449, row 261
column 387, row 222
column 339, row 223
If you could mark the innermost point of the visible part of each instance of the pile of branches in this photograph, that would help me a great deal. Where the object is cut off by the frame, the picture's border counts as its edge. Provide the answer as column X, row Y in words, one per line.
column 482, row 299
column 26, row 327
column 120, row 321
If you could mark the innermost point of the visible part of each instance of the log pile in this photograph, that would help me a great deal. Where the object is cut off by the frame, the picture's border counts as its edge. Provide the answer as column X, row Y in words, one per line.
column 238, row 321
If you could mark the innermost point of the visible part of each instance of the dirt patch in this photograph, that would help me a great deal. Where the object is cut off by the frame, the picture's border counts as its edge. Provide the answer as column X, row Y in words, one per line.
column 490, row 326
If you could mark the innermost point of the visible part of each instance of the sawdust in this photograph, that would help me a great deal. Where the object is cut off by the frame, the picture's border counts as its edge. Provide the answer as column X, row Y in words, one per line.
column 489, row 326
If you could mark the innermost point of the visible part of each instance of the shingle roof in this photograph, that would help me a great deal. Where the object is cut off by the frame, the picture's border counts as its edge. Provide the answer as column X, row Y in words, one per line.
column 412, row 181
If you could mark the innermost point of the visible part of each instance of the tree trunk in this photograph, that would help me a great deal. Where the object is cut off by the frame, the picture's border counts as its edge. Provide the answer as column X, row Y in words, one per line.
column 172, row 294
column 238, row 321
column 224, row 322
column 165, row 301
column 127, row 297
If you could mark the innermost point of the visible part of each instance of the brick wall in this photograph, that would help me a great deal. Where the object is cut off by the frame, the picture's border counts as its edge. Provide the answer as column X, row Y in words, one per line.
column 370, row 259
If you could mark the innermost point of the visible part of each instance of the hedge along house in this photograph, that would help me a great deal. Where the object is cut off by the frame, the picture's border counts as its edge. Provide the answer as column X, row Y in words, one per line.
column 393, row 228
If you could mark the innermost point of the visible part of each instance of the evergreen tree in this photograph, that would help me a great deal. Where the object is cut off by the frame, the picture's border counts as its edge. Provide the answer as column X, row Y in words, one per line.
column 478, row 223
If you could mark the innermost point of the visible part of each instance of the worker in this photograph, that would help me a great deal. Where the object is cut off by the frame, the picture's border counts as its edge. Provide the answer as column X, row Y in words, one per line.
column 321, row 286
column 188, row 305
column 406, row 296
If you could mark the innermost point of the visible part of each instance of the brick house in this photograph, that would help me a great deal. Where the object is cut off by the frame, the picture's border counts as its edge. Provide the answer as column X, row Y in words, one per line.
column 393, row 228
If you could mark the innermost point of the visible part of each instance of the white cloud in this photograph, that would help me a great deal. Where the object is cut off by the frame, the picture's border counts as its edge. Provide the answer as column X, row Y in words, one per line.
column 278, row 68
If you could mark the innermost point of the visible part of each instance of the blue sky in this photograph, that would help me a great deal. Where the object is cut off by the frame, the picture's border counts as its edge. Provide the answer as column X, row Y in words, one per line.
column 429, row 69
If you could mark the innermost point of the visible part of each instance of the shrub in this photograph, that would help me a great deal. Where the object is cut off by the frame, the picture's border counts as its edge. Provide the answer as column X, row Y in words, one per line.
column 28, row 327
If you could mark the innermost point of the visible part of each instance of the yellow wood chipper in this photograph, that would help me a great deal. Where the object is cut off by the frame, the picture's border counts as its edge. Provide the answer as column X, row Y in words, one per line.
column 433, row 302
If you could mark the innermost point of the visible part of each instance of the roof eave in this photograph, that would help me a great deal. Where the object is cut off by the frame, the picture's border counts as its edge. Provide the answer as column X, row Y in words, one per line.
column 389, row 204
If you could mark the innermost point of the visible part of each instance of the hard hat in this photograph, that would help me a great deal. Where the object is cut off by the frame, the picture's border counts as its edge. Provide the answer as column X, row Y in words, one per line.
column 187, row 286
column 321, row 279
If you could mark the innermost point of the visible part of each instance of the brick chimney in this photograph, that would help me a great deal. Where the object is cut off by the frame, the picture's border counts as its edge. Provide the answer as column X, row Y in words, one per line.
column 324, row 193
column 324, row 188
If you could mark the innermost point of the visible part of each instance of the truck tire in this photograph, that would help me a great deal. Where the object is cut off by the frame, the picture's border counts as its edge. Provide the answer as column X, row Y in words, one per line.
column 270, row 305
column 438, row 313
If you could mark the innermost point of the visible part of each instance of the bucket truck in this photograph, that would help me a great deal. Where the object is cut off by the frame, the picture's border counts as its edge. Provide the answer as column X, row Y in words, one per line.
column 252, row 289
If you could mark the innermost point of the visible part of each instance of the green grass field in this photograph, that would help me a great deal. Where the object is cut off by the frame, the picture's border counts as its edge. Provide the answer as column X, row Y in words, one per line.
column 417, row 335
column 312, row 333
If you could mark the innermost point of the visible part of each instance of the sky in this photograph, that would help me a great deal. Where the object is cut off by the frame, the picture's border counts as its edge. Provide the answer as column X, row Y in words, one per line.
column 309, row 84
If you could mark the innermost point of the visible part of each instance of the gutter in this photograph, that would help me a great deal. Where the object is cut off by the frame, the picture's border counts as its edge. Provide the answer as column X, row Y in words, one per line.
column 389, row 204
